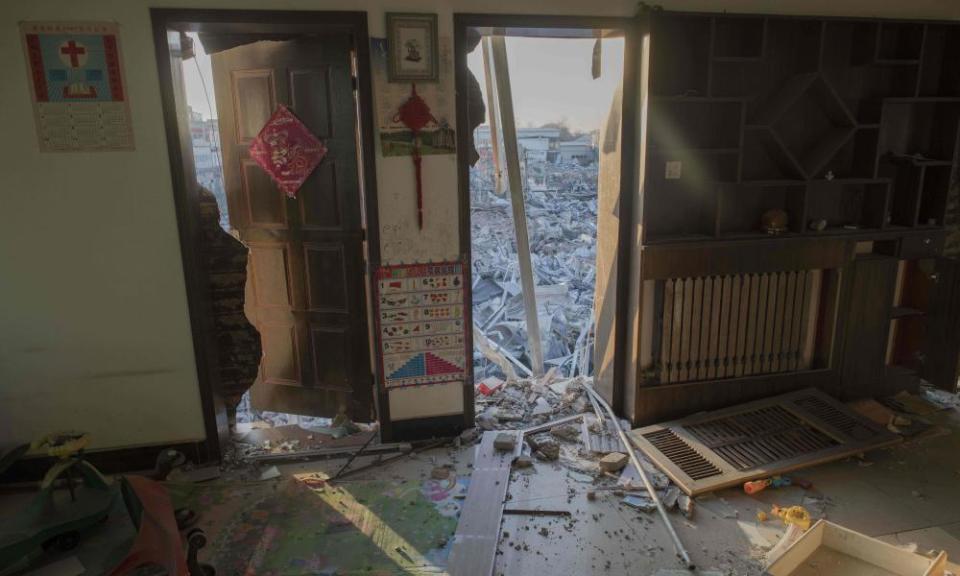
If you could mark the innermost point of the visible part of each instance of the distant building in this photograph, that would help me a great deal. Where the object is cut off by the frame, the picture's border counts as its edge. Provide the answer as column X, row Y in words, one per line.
column 544, row 145
column 579, row 151
column 205, row 135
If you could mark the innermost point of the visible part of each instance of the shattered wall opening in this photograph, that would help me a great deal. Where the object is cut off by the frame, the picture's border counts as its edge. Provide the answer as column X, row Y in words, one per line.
column 559, row 90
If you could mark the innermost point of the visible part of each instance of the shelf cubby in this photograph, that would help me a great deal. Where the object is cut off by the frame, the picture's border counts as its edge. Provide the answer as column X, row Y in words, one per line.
column 939, row 74
column 847, row 205
column 741, row 207
column 680, row 60
column 681, row 209
column 738, row 38
column 852, row 121
column 765, row 158
column 899, row 42
column 933, row 195
column 922, row 128
column 857, row 158
column 695, row 124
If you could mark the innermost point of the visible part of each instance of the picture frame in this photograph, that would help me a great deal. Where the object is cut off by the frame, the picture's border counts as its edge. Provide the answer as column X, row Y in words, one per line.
column 412, row 44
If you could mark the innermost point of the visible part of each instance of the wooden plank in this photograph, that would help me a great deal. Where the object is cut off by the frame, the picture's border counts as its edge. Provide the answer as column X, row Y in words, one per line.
column 677, row 331
column 474, row 547
column 695, row 329
column 754, row 322
column 801, row 295
column 773, row 294
column 685, row 325
column 788, row 358
column 726, row 317
column 746, row 283
column 716, row 309
column 776, row 345
column 829, row 431
column 675, row 400
column 666, row 338
column 511, row 154
column 492, row 117
column 769, row 255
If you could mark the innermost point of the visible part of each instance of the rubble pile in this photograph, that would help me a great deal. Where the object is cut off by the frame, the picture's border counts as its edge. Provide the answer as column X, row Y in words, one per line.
column 522, row 403
column 561, row 207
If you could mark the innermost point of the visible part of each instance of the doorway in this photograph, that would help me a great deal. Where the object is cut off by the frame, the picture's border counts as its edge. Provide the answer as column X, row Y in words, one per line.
column 282, row 83
column 549, row 151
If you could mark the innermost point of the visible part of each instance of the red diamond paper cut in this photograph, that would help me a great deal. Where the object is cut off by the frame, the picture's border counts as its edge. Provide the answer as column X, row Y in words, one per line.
column 287, row 150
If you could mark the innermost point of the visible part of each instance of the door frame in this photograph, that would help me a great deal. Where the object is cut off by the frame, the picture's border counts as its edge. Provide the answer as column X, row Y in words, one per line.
column 629, row 175
column 187, row 201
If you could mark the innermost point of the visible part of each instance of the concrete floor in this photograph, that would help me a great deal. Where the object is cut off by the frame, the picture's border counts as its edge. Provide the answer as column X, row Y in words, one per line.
column 903, row 495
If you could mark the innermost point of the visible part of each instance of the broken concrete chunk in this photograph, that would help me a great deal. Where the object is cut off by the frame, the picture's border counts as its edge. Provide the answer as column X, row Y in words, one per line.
column 685, row 504
column 566, row 432
column 613, row 462
column 523, row 461
column 671, row 497
column 542, row 407
column 505, row 442
column 270, row 473
column 509, row 415
column 548, row 450
column 487, row 421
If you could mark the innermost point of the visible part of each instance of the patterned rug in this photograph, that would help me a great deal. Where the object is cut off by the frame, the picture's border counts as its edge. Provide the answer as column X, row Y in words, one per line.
column 303, row 525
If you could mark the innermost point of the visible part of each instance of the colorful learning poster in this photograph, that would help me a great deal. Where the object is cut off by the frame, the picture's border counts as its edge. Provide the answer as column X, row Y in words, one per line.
column 79, row 93
column 420, row 317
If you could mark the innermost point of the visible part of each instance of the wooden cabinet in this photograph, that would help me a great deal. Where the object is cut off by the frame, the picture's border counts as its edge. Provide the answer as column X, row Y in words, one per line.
column 850, row 128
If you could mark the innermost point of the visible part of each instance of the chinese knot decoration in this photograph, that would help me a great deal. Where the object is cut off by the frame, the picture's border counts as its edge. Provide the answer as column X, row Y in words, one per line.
column 287, row 150
column 415, row 115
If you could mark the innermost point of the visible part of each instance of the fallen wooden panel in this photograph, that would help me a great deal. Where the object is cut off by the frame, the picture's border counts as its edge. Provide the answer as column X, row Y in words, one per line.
column 474, row 546
column 728, row 447
column 828, row 549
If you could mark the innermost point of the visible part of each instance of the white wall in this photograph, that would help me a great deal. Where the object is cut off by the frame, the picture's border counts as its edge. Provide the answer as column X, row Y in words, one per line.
column 94, row 332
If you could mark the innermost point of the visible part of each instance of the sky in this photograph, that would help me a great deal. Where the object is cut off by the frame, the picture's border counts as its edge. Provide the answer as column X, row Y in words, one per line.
column 550, row 78
column 193, row 70
column 551, row 81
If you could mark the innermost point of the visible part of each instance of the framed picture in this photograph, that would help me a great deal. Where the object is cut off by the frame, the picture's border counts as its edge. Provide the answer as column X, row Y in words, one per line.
column 412, row 44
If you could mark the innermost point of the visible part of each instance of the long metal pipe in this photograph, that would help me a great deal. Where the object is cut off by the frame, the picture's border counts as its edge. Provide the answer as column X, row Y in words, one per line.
column 681, row 551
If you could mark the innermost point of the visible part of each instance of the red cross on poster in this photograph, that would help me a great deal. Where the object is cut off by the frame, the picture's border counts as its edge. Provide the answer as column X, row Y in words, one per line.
column 79, row 93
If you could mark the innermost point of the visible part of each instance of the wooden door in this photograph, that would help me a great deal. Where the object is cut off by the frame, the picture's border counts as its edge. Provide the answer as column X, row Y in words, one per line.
column 942, row 353
column 307, row 265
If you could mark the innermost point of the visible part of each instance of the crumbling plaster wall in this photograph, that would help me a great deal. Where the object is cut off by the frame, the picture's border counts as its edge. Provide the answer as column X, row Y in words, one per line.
column 94, row 331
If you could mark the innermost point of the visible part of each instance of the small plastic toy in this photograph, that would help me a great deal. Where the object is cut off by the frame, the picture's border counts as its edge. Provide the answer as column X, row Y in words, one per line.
column 796, row 515
column 56, row 519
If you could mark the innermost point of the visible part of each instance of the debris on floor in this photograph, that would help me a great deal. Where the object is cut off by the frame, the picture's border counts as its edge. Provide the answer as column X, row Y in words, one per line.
column 561, row 208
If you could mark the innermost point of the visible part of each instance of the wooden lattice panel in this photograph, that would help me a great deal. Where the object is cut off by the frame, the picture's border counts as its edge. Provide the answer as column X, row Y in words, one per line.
column 723, row 448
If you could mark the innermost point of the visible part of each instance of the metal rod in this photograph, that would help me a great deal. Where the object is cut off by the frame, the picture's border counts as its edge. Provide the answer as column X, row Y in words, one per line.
column 354, row 456
column 681, row 551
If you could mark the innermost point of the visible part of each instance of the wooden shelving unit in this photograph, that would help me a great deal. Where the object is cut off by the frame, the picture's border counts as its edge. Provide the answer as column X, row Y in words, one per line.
column 854, row 122
column 848, row 124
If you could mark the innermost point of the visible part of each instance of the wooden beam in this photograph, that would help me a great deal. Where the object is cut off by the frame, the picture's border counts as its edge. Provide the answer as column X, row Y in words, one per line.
column 492, row 113
column 511, row 153
column 474, row 549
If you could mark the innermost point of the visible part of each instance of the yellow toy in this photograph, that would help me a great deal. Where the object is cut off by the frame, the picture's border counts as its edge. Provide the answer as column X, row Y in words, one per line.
column 796, row 515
